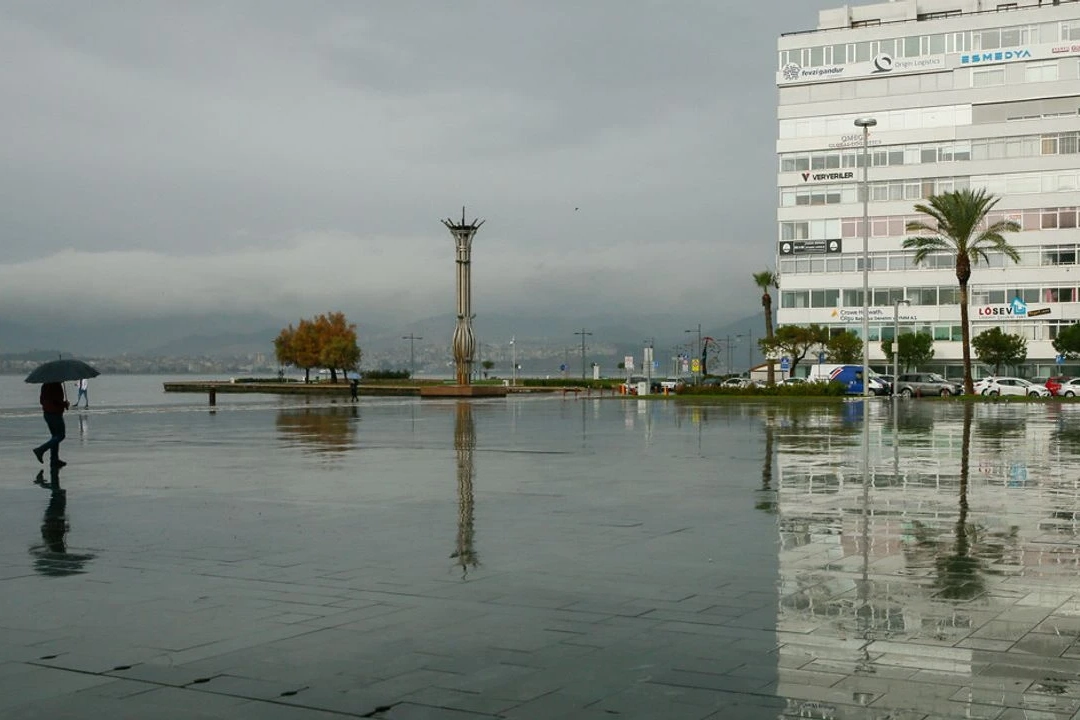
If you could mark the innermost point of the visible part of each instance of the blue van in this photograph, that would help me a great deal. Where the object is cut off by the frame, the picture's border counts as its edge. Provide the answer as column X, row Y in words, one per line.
column 850, row 376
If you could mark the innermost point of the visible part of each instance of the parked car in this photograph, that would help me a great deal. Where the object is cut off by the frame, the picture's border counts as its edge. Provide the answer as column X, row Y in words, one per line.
column 1053, row 384
column 635, row 380
column 672, row 384
column 887, row 381
column 1069, row 388
column 735, row 382
column 794, row 381
column 994, row 386
column 912, row 384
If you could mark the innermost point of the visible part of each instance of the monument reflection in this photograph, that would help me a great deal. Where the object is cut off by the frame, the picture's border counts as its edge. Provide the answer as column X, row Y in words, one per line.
column 943, row 584
column 465, row 555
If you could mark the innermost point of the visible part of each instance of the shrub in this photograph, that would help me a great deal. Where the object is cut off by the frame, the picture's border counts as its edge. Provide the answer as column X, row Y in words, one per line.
column 387, row 375
column 810, row 389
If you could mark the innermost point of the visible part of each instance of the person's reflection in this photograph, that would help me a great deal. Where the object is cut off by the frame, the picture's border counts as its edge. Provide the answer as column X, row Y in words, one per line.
column 322, row 429
column 464, row 442
column 51, row 557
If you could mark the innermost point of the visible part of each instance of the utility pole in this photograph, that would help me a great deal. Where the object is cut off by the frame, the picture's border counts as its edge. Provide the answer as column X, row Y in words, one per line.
column 583, row 335
column 513, row 359
column 412, row 363
column 698, row 356
column 647, row 360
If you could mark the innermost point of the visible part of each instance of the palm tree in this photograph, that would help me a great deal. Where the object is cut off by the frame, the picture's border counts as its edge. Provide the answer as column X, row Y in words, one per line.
column 767, row 279
column 960, row 227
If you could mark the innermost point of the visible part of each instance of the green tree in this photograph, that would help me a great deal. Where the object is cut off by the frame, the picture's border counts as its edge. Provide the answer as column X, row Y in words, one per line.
column 1067, row 341
column 845, row 347
column 915, row 349
column 958, row 226
column 795, row 341
column 997, row 347
column 764, row 280
column 487, row 365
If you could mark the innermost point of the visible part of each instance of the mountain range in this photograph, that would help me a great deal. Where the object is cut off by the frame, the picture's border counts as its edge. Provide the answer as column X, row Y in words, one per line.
column 610, row 337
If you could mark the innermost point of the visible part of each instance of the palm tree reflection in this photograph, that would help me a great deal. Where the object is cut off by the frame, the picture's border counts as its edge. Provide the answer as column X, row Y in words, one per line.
column 464, row 443
column 51, row 557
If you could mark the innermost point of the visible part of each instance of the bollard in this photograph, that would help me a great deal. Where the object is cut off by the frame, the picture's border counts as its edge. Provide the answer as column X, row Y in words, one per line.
column 213, row 397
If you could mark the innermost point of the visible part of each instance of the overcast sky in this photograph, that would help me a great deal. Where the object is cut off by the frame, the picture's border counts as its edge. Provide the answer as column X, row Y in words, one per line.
column 298, row 156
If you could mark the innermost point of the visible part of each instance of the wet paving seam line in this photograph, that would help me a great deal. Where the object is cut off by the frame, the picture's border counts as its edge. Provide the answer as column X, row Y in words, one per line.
column 193, row 687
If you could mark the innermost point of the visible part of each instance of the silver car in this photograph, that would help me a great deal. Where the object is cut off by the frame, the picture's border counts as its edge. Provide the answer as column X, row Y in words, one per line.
column 912, row 384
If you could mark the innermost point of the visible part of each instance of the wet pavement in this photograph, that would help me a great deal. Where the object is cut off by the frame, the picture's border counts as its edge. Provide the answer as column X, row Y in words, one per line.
column 543, row 558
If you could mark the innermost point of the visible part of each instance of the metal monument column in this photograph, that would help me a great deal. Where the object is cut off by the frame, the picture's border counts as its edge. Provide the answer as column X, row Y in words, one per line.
column 464, row 344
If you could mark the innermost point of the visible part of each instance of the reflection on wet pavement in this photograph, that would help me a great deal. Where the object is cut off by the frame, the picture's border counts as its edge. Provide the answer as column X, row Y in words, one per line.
column 640, row 560
column 52, row 557
column 942, row 586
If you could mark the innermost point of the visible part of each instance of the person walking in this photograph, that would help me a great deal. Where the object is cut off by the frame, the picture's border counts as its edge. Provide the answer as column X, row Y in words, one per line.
column 53, row 405
column 84, row 386
column 354, row 387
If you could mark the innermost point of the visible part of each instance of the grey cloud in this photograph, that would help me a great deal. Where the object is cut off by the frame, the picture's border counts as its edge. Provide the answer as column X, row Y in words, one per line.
column 209, row 152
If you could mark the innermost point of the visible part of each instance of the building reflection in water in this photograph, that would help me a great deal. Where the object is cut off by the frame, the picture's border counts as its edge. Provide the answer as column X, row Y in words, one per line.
column 51, row 555
column 465, row 554
column 319, row 429
column 942, row 585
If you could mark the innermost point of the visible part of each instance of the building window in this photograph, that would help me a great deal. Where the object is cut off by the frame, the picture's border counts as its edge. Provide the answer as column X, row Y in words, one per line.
column 1040, row 72
column 988, row 77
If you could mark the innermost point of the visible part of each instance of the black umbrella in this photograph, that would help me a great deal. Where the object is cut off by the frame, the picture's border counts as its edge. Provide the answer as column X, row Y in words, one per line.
column 61, row 371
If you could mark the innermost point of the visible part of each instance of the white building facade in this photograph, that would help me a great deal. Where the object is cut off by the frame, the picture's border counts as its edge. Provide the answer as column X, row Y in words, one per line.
column 966, row 93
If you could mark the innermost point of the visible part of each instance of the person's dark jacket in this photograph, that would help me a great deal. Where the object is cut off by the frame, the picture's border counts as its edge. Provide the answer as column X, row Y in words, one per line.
column 52, row 398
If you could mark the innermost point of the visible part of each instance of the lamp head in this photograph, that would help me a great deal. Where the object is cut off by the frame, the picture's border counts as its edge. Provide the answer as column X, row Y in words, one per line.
column 865, row 122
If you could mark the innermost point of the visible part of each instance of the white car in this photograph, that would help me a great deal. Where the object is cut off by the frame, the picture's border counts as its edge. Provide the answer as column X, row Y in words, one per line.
column 994, row 386
column 1070, row 388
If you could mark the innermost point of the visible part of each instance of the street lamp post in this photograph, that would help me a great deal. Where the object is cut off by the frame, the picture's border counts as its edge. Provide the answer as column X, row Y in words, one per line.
column 583, row 335
column 647, row 359
column 412, row 364
column 866, row 123
column 513, row 360
column 896, row 342
column 697, row 350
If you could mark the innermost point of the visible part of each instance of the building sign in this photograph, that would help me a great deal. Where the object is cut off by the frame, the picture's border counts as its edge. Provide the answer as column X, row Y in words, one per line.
column 811, row 247
column 995, row 56
column 1015, row 310
column 876, row 314
column 883, row 64
column 854, row 140
column 628, row 363
column 793, row 72
column 828, row 176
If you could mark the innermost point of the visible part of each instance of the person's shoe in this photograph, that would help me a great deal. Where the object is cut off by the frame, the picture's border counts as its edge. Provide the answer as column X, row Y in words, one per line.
column 38, row 453
column 59, row 464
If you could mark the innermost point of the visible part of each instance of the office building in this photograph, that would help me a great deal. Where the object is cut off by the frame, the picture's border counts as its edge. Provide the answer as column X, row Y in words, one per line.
column 965, row 94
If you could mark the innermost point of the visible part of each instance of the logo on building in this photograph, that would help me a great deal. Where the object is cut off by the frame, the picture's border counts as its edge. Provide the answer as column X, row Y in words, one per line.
column 812, row 247
column 818, row 177
column 883, row 63
column 1015, row 310
column 996, row 56
column 1019, row 307
column 791, row 71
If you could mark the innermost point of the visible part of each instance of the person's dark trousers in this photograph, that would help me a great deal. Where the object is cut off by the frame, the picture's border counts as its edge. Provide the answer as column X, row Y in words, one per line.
column 55, row 421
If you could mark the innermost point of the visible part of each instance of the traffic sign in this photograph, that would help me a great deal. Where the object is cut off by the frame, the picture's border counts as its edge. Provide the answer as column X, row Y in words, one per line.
column 785, row 363
column 1060, row 359
column 695, row 365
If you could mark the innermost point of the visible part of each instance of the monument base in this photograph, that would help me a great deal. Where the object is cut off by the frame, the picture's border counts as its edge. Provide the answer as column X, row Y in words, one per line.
column 463, row 391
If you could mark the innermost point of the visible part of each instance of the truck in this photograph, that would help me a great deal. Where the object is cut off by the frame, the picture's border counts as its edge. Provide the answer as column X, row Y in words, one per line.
column 848, row 375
